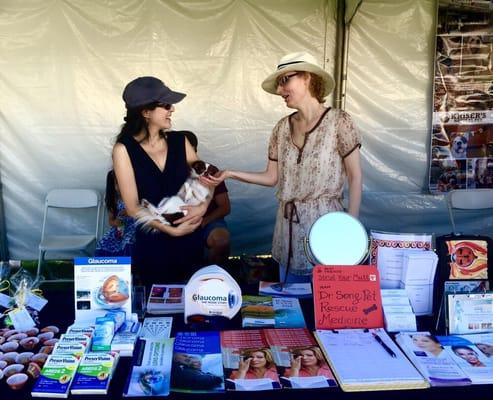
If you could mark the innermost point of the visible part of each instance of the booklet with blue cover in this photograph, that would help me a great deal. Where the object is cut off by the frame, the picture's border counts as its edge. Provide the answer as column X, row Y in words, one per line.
column 197, row 363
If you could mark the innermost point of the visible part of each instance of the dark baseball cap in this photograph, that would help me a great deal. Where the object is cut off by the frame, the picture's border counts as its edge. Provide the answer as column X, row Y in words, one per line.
column 147, row 90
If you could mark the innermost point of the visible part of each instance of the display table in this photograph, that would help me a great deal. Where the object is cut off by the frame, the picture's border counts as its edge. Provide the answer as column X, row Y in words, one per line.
column 60, row 311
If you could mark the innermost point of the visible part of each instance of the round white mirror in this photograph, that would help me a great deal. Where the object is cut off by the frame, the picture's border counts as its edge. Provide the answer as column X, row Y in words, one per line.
column 337, row 238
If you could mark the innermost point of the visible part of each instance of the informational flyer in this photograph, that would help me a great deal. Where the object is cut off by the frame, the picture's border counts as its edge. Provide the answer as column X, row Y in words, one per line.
column 101, row 284
column 470, row 313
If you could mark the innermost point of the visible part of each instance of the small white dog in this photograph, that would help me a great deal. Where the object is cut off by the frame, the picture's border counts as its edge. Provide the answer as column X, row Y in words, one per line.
column 191, row 193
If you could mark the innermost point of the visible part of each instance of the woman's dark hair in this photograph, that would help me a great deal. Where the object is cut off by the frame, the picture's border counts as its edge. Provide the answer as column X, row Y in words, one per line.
column 192, row 138
column 135, row 122
column 111, row 194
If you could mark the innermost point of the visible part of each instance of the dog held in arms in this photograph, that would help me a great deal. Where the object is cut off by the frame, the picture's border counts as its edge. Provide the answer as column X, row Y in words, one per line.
column 191, row 193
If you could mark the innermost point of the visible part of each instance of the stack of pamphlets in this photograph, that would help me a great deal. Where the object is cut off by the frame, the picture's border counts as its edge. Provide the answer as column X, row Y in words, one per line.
column 285, row 289
column 197, row 363
column 267, row 311
column 166, row 299
column 466, row 351
column 397, row 311
column 429, row 357
column 151, row 363
column 257, row 311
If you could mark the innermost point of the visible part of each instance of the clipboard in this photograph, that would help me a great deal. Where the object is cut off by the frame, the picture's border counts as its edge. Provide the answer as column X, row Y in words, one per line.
column 362, row 363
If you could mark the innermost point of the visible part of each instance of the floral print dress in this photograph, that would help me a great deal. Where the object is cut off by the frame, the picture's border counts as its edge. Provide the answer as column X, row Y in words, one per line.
column 310, row 181
column 118, row 241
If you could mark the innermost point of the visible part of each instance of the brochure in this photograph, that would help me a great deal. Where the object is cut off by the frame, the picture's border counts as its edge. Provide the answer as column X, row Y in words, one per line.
column 197, row 363
column 257, row 311
column 285, row 289
column 470, row 312
column 430, row 358
column 299, row 360
column 288, row 313
column 151, row 368
column 94, row 373
column 246, row 355
column 101, row 284
column 166, row 299
column 463, row 350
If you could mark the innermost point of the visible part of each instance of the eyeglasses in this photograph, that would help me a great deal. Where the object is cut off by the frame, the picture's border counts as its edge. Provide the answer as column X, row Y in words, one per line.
column 283, row 80
column 166, row 106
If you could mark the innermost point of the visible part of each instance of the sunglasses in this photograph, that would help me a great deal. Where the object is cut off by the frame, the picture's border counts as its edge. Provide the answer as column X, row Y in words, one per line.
column 283, row 80
column 166, row 106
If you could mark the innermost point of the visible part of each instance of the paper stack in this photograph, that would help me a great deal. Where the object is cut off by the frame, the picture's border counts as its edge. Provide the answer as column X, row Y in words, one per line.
column 397, row 311
column 418, row 274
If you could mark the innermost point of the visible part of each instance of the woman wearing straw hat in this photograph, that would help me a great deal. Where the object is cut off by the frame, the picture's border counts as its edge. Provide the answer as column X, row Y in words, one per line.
column 311, row 154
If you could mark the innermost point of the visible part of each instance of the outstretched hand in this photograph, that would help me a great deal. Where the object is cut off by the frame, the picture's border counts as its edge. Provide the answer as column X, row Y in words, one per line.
column 215, row 180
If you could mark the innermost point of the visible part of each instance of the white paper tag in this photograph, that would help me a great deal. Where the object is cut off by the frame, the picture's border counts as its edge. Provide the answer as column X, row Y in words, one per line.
column 21, row 319
column 5, row 300
column 36, row 302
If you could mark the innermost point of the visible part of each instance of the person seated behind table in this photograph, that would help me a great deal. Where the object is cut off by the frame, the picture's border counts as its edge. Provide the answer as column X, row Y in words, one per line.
column 256, row 364
column 215, row 230
column 307, row 361
column 186, row 372
column 468, row 354
column 118, row 241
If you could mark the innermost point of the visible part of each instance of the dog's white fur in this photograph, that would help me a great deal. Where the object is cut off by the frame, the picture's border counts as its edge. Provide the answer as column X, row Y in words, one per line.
column 191, row 193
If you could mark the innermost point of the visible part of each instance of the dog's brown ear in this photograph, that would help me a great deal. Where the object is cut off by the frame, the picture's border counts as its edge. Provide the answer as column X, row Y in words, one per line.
column 199, row 167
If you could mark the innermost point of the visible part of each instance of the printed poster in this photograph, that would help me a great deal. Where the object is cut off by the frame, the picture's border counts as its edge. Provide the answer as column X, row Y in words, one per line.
column 462, row 127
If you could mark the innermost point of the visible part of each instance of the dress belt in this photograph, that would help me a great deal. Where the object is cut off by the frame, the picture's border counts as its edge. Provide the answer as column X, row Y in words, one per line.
column 291, row 214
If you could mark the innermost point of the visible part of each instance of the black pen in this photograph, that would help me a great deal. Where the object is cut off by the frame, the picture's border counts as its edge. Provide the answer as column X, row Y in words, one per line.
column 386, row 348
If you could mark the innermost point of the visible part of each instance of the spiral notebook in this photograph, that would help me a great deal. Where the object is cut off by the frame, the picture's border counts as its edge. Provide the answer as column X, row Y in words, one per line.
column 368, row 359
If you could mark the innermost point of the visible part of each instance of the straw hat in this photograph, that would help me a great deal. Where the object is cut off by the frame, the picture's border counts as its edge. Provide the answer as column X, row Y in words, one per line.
column 301, row 61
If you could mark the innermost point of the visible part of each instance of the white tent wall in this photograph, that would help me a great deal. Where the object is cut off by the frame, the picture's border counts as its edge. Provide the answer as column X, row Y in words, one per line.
column 63, row 65
column 389, row 92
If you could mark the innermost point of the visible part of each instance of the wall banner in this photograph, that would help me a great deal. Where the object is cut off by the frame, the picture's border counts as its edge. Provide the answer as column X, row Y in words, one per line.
column 462, row 126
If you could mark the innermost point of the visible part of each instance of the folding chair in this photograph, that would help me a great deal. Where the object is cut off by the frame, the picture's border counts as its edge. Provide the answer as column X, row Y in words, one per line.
column 63, row 203
column 473, row 199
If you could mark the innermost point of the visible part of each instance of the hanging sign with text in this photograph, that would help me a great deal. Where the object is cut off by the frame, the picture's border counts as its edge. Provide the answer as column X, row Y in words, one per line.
column 347, row 297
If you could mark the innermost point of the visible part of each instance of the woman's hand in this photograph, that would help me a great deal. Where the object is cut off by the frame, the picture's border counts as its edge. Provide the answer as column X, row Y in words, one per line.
column 183, row 228
column 192, row 212
column 243, row 367
column 295, row 366
column 216, row 179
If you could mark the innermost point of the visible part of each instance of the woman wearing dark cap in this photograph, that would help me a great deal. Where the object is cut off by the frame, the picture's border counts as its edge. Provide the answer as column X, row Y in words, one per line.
column 149, row 164
column 311, row 154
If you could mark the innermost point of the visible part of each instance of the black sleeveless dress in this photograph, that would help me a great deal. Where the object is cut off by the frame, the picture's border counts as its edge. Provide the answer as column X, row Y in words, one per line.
column 158, row 257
